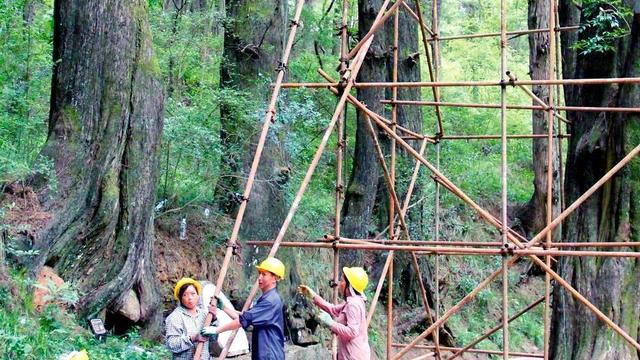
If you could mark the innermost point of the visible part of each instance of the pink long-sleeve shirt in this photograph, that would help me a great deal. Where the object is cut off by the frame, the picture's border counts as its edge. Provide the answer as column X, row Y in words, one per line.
column 350, row 326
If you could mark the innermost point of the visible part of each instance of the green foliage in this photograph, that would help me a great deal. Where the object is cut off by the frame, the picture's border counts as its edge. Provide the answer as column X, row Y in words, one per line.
column 25, row 82
column 603, row 22
column 30, row 335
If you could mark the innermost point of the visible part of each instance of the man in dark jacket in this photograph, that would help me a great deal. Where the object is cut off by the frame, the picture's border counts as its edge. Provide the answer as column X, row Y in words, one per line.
column 267, row 340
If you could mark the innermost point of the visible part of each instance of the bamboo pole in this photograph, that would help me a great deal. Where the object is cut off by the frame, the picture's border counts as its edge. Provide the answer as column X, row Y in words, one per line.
column 380, row 19
column 550, row 150
column 509, row 33
column 494, row 329
column 391, row 184
column 503, row 177
column 268, row 119
column 490, row 137
column 451, row 250
column 598, row 81
column 514, row 107
column 410, row 11
column 479, row 351
column 479, row 243
column 339, row 177
column 354, row 68
column 435, row 90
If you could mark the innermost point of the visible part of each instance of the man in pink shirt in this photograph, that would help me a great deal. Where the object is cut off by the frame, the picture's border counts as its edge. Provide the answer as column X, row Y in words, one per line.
column 348, row 320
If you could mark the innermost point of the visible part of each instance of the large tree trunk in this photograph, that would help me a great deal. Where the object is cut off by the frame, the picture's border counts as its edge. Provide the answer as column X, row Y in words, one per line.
column 254, row 38
column 360, row 195
column 534, row 215
column 598, row 141
column 104, row 128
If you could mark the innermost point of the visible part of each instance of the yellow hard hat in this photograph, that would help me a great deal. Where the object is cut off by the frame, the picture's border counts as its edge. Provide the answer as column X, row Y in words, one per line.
column 273, row 266
column 357, row 278
column 184, row 281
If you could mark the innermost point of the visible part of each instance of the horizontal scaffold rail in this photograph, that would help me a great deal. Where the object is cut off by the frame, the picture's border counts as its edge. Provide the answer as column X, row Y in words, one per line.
column 446, row 250
column 599, row 81
column 512, row 107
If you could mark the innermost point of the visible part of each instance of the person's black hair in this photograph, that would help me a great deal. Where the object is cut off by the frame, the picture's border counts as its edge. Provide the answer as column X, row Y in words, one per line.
column 184, row 288
column 348, row 285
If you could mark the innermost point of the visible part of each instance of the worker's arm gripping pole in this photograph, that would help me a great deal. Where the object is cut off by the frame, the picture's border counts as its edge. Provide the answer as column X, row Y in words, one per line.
column 349, row 81
column 268, row 119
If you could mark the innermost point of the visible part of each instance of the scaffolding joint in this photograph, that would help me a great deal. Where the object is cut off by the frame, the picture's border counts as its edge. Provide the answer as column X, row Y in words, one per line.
column 507, row 250
column 233, row 245
column 293, row 23
column 281, row 67
column 238, row 198
column 340, row 188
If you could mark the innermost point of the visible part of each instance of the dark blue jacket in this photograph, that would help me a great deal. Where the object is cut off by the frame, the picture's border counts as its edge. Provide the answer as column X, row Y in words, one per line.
column 267, row 340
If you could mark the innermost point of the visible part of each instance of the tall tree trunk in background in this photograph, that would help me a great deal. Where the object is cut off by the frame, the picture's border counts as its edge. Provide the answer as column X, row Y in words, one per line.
column 534, row 215
column 360, row 195
column 254, row 37
column 598, row 141
column 104, row 128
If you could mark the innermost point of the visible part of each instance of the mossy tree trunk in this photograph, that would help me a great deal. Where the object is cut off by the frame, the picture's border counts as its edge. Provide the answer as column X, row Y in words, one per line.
column 598, row 141
column 104, row 128
column 534, row 215
column 255, row 32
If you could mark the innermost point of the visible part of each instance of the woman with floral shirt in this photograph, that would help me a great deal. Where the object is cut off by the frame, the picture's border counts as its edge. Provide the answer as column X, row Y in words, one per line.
column 182, row 326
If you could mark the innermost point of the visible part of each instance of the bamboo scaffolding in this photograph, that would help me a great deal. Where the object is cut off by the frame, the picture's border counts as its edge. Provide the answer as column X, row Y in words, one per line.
column 598, row 81
column 558, row 279
column 512, row 247
column 512, row 107
column 268, row 119
column 351, row 74
column 478, row 351
column 494, row 329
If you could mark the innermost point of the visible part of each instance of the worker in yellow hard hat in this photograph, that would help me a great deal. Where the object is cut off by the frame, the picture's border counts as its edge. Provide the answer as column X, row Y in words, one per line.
column 182, row 326
column 267, row 339
column 348, row 320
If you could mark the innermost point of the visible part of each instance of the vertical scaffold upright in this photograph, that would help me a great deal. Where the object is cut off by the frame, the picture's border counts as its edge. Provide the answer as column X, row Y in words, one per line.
column 512, row 246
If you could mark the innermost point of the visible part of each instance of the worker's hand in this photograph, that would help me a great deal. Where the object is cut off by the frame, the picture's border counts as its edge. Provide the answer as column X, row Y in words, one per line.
column 325, row 319
column 210, row 331
column 307, row 292
column 196, row 338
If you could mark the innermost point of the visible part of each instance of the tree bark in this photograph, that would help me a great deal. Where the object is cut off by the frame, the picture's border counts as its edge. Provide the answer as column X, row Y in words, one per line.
column 598, row 141
column 254, row 38
column 105, row 123
column 533, row 217
column 360, row 195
